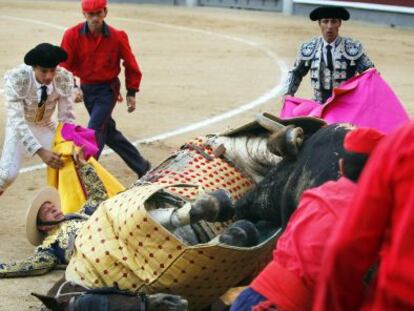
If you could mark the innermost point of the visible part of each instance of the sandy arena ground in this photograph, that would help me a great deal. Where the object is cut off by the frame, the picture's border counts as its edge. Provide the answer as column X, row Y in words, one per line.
column 197, row 63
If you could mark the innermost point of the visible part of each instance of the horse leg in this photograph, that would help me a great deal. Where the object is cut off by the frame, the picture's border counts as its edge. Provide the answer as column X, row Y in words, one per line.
column 214, row 206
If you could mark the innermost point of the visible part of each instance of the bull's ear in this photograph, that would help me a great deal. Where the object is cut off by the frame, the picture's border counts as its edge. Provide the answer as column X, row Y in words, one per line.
column 49, row 301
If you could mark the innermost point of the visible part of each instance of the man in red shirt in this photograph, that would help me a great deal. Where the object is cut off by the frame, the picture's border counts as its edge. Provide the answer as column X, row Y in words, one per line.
column 95, row 51
column 378, row 225
column 288, row 282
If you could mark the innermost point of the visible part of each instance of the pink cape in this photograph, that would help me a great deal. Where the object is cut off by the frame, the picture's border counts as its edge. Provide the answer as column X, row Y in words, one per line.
column 364, row 100
column 81, row 137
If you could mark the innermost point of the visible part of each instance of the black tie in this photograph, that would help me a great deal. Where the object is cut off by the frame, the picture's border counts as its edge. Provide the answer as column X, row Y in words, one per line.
column 329, row 57
column 43, row 95
column 41, row 105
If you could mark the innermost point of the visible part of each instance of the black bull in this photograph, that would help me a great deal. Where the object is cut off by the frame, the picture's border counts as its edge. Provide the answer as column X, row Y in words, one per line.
column 277, row 195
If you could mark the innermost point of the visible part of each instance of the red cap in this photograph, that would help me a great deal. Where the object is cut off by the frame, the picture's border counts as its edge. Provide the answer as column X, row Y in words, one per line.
column 362, row 140
column 93, row 5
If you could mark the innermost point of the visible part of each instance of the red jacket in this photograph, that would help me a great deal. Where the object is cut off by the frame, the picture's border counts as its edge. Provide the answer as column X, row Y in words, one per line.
column 289, row 280
column 97, row 59
column 378, row 224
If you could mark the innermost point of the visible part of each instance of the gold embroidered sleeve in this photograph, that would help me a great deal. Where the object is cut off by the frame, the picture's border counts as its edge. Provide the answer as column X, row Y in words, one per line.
column 40, row 263
column 96, row 192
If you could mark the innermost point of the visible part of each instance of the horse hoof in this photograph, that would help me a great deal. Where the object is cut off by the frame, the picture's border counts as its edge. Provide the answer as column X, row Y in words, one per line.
column 241, row 233
column 212, row 207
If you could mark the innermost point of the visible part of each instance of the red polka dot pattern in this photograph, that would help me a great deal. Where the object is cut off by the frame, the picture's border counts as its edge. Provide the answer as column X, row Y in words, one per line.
column 197, row 169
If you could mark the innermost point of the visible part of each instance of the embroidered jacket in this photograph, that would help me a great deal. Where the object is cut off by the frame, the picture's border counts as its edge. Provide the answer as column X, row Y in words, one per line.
column 349, row 58
column 57, row 247
column 22, row 103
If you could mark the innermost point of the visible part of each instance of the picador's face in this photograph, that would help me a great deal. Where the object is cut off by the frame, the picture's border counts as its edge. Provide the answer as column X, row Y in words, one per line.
column 48, row 212
column 330, row 28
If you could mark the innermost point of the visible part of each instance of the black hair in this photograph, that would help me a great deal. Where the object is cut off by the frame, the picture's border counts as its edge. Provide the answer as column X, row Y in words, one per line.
column 353, row 164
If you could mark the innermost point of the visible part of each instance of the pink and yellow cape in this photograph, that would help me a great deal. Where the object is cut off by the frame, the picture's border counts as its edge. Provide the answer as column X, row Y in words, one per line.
column 66, row 179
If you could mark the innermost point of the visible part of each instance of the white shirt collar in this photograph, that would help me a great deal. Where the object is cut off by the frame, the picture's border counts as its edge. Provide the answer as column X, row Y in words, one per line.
column 325, row 44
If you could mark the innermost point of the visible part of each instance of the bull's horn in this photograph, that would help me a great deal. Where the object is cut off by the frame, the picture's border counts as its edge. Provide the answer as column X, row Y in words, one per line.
column 269, row 124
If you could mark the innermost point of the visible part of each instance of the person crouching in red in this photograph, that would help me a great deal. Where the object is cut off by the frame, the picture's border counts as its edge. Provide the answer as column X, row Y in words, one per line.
column 379, row 225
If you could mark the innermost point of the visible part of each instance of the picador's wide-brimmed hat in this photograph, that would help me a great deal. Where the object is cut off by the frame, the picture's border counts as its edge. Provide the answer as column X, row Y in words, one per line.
column 47, row 194
column 329, row 12
column 45, row 55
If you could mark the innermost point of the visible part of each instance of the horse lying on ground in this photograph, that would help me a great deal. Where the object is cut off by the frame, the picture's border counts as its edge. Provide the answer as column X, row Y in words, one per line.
column 241, row 158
